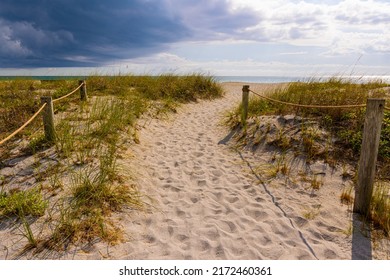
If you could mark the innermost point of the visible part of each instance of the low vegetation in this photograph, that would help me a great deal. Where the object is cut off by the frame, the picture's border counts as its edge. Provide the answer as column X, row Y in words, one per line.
column 78, row 196
column 330, row 134
column 21, row 203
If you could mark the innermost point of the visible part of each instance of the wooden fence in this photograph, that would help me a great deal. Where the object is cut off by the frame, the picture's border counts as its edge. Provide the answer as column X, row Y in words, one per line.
column 48, row 113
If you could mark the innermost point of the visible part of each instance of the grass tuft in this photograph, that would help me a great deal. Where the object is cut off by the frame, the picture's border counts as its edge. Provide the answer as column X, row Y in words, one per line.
column 22, row 203
column 380, row 207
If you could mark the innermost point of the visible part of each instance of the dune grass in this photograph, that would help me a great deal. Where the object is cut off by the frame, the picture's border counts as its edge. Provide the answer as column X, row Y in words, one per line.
column 380, row 206
column 19, row 99
column 21, row 203
column 89, row 138
column 344, row 125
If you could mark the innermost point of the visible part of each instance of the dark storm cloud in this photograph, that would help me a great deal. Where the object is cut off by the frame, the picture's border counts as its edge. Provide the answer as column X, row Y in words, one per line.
column 40, row 33
column 82, row 32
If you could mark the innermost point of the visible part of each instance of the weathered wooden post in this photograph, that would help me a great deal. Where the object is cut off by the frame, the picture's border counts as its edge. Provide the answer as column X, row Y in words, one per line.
column 245, row 101
column 83, row 90
column 48, row 118
column 368, row 155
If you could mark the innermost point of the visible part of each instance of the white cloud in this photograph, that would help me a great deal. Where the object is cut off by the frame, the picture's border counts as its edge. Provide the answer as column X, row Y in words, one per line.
column 166, row 62
column 322, row 24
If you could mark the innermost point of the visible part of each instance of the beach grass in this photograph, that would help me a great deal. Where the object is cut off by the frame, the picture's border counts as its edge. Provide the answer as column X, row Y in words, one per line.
column 380, row 206
column 89, row 138
column 20, row 203
column 344, row 128
column 345, row 124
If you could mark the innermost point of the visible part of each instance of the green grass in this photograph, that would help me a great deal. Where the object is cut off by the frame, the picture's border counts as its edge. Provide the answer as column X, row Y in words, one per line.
column 89, row 137
column 94, row 196
column 380, row 207
column 19, row 99
column 345, row 125
column 164, row 87
column 22, row 203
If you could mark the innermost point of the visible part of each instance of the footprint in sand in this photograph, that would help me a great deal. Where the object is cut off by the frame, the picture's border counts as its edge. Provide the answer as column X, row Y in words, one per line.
column 208, row 207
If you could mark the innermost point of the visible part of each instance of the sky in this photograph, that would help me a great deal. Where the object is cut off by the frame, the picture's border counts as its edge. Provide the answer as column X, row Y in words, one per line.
column 217, row 37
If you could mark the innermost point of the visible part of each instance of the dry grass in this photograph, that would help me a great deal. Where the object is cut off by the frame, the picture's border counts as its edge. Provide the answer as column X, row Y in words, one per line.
column 342, row 129
column 89, row 136
column 380, row 206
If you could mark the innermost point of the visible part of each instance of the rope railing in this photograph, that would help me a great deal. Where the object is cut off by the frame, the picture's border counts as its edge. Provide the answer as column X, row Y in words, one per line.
column 81, row 87
column 369, row 148
column 310, row 106
column 23, row 126
column 69, row 94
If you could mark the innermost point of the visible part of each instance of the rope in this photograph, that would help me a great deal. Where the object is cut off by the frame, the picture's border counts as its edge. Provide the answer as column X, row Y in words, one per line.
column 24, row 125
column 69, row 94
column 387, row 108
column 307, row 106
column 37, row 113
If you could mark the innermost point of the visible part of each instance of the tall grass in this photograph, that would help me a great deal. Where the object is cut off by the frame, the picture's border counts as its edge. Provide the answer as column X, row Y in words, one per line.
column 88, row 139
column 22, row 204
column 167, row 86
column 345, row 125
column 19, row 99
column 380, row 206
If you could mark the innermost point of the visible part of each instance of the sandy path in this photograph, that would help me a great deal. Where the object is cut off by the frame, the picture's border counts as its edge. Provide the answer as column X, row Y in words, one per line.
column 208, row 205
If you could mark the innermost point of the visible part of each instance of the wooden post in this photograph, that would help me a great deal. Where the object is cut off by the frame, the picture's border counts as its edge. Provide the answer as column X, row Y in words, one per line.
column 368, row 155
column 48, row 118
column 245, row 101
column 83, row 90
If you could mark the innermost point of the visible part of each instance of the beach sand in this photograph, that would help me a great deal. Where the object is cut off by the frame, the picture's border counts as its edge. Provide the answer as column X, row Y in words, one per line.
column 205, row 202
column 208, row 204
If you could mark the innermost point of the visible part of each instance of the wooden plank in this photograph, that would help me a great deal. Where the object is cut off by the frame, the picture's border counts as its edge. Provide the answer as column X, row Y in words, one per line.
column 245, row 102
column 48, row 118
column 83, row 90
column 368, row 155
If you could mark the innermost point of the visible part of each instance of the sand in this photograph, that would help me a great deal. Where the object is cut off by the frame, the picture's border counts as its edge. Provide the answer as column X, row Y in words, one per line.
column 210, row 205
column 205, row 201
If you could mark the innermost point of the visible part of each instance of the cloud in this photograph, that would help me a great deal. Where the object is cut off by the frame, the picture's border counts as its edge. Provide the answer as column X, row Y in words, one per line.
column 363, row 12
column 95, row 32
column 170, row 63
column 70, row 32
column 322, row 23
column 215, row 19
column 57, row 33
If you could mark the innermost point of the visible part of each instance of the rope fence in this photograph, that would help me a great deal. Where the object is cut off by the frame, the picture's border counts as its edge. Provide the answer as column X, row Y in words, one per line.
column 47, row 102
column 375, row 108
column 69, row 94
column 24, row 125
column 310, row 106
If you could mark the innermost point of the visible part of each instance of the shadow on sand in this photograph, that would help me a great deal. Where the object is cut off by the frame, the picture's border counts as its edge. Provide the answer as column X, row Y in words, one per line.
column 361, row 239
